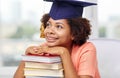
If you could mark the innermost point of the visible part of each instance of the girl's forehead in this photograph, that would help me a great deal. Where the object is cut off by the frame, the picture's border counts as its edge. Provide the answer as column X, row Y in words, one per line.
column 58, row 20
column 63, row 22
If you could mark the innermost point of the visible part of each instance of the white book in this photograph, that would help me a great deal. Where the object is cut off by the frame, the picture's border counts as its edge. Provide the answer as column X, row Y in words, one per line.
column 41, row 77
column 29, row 64
column 46, row 59
column 43, row 72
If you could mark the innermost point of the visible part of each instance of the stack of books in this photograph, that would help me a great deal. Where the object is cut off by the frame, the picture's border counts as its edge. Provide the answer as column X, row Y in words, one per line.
column 37, row 66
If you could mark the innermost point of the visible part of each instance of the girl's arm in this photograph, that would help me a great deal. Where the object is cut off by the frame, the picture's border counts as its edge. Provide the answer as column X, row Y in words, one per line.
column 20, row 71
column 69, row 70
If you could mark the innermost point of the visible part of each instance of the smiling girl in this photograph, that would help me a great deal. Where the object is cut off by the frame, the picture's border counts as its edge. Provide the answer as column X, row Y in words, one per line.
column 67, row 37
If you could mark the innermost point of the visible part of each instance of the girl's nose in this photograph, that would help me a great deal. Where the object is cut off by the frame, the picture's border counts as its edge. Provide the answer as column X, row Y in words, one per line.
column 50, row 30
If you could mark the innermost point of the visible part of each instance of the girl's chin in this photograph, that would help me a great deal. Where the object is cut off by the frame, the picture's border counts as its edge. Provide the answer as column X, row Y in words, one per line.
column 51, row 44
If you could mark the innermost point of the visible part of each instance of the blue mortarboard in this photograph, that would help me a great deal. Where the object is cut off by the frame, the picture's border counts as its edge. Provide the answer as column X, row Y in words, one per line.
column 63, row 9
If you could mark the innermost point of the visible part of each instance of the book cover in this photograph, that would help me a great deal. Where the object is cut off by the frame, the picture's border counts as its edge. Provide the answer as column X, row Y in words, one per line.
column 43, row 72
column 42, row 77
column 43, row 65
column 38, row 58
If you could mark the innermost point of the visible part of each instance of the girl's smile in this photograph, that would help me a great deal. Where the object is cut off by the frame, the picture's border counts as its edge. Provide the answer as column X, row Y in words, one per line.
column 51, row 39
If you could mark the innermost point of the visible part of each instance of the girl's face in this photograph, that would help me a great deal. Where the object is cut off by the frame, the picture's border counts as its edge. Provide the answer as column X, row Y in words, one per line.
column 57, row 33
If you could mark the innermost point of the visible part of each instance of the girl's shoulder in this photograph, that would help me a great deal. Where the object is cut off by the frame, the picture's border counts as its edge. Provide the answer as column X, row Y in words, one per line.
column 86, row 46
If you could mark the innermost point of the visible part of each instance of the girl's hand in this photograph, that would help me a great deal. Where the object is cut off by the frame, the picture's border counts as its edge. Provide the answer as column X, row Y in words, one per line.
column 55, row 50
column 41, row 50
column 32, row 50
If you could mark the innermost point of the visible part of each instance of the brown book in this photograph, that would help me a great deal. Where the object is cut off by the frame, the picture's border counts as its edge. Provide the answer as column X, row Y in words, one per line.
column 43, row 72
column 43, row 65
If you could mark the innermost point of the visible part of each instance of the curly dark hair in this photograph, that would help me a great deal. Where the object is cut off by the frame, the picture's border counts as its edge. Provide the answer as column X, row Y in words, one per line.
column 80, row 28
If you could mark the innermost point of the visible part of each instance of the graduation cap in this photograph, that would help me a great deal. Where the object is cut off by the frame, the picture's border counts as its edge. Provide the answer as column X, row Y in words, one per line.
column 63, row 9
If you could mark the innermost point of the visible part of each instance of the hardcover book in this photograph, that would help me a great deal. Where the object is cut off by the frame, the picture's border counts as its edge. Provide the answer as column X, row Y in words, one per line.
column 42, row 77
column 43, row 72
column 38, row 58
column 29, row 64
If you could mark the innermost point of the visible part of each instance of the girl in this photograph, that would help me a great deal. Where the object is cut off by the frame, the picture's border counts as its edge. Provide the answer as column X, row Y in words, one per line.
column 67, row 37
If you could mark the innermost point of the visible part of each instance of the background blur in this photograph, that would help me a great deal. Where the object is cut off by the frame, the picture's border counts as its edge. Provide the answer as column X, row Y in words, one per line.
column 20, row 24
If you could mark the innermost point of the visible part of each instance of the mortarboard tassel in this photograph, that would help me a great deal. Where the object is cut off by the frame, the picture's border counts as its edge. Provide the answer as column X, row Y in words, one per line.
column 42, row 31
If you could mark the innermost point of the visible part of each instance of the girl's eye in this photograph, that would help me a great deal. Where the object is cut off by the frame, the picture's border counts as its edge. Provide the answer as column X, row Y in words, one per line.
column 59, row 26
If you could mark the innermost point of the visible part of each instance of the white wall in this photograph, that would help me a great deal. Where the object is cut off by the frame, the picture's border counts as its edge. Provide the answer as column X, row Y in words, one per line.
column 7, row 72
column 108, row 52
